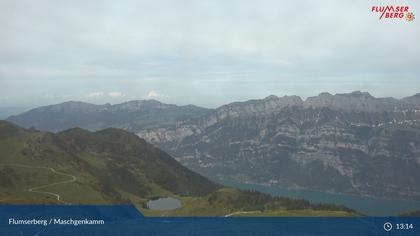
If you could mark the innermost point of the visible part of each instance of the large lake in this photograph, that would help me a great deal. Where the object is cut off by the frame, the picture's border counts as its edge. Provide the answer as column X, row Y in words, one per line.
column 164, row 204
column 366, row 205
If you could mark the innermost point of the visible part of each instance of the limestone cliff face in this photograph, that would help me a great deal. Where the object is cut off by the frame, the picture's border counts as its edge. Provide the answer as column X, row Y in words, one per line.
column 349, row 143
column 355, row 101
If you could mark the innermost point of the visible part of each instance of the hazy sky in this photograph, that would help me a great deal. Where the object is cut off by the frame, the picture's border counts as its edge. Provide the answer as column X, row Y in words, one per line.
column 204, row 52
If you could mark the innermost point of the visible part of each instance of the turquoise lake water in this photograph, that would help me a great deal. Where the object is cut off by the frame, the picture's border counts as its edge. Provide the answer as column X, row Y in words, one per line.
column 367, row 205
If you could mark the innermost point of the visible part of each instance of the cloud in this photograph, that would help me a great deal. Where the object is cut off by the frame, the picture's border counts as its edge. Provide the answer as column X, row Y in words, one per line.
column 152, row 94
column 96, row 94
column 207, row 52
column 116, row 94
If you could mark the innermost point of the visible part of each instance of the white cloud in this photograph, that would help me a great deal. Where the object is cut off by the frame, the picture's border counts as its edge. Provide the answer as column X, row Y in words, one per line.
column 116, row 94
column 96, row 94
column 152, row 94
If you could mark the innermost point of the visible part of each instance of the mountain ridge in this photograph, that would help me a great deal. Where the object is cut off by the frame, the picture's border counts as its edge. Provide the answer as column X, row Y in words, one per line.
column 137, row 115
column 351, row 148
column 128, row 115
column 114, row 166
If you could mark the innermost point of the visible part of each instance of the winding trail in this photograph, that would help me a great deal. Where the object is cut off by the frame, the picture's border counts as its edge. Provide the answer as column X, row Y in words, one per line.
column 36, row 188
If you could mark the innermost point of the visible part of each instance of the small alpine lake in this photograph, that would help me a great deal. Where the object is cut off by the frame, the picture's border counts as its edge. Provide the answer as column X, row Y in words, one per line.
column 164, row 204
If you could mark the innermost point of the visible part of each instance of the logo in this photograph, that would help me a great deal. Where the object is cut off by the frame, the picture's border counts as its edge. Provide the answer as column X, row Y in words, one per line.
column 393, row 12
column 409, row 16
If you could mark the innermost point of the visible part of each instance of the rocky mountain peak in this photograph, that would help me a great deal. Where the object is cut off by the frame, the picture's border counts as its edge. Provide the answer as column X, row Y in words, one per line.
column 357, row 94
column 354, row 101
column 325, row 94
column 259, row 106
column 271, row 97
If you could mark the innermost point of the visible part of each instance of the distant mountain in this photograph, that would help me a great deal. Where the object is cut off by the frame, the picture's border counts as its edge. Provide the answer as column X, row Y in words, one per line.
column 348, row 143
column 132, row 115
column 355, row 101
column 412, row 101
column 113, row 166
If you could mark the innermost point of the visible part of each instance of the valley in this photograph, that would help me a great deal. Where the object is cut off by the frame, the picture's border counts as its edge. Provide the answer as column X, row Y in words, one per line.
column 113, row 166
column 350, row 144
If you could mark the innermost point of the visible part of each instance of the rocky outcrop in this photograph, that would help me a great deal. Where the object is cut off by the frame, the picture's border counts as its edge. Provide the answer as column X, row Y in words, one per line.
column 355, row 101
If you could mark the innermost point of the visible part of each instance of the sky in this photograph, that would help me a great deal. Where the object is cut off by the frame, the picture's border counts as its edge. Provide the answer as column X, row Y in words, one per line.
column 202, row 52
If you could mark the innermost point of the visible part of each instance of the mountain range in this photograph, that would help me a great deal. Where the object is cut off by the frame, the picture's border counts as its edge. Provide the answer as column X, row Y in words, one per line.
column 349, row 143
column 112, row 166
column 132, row 115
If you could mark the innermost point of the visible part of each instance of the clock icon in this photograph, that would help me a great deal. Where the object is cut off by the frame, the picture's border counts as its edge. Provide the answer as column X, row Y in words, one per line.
column 387, row 226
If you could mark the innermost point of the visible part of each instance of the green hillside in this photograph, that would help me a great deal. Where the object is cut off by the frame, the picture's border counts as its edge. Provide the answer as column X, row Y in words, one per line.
column 113, row 166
